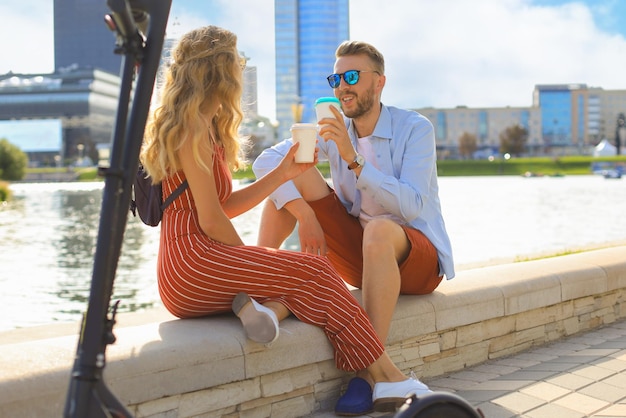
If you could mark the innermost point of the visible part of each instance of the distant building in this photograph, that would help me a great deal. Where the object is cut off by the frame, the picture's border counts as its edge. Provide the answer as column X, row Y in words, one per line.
column 249, row 99
column 563, row 114
column 81, row 38
column 260, row 133
column 83, row 102
column 564, row 119
column 307, row 33
column 575, row 118
column 80, row 96
column 259, row 130
column 69, row 115
column 485, row 124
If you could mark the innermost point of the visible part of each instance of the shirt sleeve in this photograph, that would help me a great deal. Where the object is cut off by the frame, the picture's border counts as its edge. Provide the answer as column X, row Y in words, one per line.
column 269, row 159
column 413, row 162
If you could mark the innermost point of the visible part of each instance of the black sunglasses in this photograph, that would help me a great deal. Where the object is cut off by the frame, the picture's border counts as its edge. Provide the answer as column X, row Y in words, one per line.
column 351, row 77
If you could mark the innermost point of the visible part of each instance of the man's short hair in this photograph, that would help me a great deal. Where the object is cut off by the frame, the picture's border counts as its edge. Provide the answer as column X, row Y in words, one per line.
column 348, row 48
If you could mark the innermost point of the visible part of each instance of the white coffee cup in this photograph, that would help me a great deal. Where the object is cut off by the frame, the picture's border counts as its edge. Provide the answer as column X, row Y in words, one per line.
column 306, row 135
column 322, row 107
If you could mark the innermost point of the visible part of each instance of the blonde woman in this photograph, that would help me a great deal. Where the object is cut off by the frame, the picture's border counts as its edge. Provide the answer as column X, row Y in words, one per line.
column 204, row 268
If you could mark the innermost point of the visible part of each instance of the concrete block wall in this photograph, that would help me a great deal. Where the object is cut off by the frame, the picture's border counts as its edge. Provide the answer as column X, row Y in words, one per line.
column 164, row 367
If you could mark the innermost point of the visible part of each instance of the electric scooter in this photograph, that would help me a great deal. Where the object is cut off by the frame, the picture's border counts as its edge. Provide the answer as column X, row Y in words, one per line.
column 139, row 27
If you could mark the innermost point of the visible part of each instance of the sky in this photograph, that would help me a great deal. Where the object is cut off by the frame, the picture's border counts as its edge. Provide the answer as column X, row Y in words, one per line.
column 444, row 53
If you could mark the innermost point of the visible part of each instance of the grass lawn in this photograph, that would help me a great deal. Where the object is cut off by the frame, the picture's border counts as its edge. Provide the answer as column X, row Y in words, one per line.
column 549, row 166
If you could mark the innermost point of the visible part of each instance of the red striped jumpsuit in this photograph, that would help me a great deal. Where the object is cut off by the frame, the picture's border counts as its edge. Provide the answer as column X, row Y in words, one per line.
column 198, row 276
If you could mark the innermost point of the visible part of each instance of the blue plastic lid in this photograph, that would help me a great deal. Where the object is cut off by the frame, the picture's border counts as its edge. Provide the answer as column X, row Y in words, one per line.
column 326, row 100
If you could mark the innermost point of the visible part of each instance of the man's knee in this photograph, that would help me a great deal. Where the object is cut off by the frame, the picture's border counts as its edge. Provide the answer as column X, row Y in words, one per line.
column 268, row 209
column 381, row 235
column 382, row 230
column 311, row 185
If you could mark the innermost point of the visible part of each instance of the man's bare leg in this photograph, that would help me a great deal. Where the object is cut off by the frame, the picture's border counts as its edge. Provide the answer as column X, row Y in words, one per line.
column 385, row 245
column 276, row 225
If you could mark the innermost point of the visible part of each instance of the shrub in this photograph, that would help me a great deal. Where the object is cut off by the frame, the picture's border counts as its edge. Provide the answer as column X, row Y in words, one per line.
column 5, row 192
column 13, row 161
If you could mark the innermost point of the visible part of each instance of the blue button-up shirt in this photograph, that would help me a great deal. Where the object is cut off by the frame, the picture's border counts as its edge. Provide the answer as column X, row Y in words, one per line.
column 404, row 184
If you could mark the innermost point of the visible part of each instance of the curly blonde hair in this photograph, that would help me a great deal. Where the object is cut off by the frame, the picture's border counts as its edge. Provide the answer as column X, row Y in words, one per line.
column 204, row 69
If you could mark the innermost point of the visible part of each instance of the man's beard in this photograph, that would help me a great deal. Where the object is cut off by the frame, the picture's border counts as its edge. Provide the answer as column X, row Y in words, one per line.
column 363, row 105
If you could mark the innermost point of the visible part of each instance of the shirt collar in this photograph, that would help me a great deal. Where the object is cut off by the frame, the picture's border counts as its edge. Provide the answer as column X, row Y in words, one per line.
column 383, row 126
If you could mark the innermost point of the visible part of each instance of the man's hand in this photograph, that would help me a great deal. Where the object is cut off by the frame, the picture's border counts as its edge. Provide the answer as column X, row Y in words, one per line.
column 310, row 231
column 311, row 236
column 334, row 129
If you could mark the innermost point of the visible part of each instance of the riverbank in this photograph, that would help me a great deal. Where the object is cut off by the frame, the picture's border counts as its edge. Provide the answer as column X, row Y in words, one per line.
column 490, row 220
column 537, row 166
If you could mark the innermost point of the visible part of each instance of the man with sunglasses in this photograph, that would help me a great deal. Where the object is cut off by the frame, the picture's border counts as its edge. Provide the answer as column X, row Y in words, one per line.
column 381, row 224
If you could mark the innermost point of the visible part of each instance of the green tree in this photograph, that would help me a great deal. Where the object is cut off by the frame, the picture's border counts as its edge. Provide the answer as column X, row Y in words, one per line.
column 467, row 145
column 513, row 140
column 13, row 161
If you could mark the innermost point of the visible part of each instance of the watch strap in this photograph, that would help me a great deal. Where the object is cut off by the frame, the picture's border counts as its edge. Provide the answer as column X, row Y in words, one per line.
column 354, row 164
column 358, row 162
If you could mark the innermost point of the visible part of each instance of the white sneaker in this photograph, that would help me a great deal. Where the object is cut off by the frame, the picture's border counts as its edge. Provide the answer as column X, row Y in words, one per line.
column 389, row 396
column 259, row 322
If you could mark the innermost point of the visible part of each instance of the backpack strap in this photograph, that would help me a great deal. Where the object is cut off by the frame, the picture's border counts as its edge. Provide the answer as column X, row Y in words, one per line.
column 177, row 192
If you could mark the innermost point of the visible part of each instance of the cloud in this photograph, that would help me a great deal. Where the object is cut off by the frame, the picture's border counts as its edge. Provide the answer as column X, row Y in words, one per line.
column 27, row 45
column 486, row 52
column 481, row 53
column 252, row 21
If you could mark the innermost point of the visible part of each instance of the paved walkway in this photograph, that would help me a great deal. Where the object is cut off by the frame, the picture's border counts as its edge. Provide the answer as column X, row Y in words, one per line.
column 580, row 376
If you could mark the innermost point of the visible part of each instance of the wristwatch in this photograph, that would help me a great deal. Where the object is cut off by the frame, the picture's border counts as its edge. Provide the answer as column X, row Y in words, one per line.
column 359, row 160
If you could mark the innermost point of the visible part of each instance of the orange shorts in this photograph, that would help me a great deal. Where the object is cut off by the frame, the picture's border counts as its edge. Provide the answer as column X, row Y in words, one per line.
column 344, row 238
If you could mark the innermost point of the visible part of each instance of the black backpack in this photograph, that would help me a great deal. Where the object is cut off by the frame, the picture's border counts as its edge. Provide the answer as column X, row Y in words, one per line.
column 148, row 198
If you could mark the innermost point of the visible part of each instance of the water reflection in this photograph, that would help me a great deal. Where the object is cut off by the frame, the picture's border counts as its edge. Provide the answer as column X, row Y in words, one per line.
column 76, row 249
column 48, row 234
column 77, row 235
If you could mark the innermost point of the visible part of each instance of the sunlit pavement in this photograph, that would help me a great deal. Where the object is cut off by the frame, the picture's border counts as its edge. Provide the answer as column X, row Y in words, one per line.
column 580, row 376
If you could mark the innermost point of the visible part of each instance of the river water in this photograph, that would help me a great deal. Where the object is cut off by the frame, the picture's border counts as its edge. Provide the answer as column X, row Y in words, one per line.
column 49, row 230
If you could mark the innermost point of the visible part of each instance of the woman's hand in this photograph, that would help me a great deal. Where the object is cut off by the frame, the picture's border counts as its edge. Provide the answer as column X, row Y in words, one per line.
column 290, row 168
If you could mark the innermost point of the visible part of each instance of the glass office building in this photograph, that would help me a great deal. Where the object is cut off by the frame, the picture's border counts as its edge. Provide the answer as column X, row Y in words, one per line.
column 83, row 102
column 555, row 102
column 81, row 38
column 307, row 35
column 575, row 116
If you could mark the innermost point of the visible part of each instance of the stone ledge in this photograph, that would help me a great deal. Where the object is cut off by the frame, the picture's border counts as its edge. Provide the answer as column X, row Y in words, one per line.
column 163, row 367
